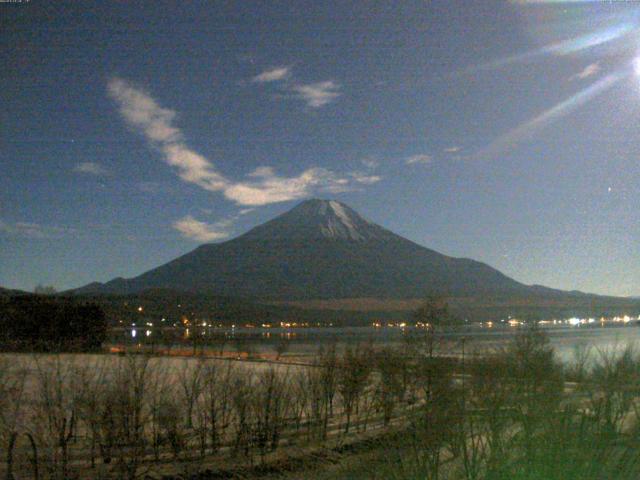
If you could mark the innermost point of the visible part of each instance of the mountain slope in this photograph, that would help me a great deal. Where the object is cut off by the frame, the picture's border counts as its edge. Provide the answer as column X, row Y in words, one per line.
column 319, row 250
column 6, row 292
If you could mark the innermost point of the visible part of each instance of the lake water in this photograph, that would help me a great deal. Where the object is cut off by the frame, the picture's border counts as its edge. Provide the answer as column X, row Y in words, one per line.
column 307, row 341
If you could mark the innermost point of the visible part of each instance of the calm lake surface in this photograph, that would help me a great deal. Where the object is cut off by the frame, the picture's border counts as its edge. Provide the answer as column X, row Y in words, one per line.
column 476, row 340
column 565, row 340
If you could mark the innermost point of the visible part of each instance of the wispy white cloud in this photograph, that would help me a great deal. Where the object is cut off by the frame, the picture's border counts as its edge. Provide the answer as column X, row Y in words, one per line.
column 453, row 149
column 588, row 71
column 91, row 168
column 318, row 94
column 194, row 229
column 201, row 231
column 193, row 167
column 32, row 230
column 370, row 162
column 142, row 111
column 263, row 185
column 423, row 159
column 364, row 178
column 315, row 95
column 271, row 188
column 156, row 123
column 272, row 75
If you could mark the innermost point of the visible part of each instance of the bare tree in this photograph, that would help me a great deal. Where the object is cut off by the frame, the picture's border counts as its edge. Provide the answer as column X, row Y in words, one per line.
column 91, row 381
column 281, row 347
column 170, row 425
column 216, row 401
column 390, row 387
column 124, row 415
column 56, row 409
column 271, row 403
column 300, row 394
column 353, row 375
column 322, row 383
column 12, row 383
column 242, row 421
column 536, row 380
column 317, row 404
column 433, row 424
column 159, row 387
column 190, row 381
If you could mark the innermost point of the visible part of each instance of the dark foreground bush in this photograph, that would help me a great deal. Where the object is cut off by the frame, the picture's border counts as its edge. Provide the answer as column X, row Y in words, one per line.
column 35, row 323
column 511, row 416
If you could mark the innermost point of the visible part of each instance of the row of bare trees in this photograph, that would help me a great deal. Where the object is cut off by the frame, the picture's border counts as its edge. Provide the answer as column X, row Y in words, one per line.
column 518, row 413
column 65, row 416
column 513, row 413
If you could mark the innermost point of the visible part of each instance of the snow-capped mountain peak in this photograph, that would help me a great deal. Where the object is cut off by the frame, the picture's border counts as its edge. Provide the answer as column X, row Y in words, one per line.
column 320, row 218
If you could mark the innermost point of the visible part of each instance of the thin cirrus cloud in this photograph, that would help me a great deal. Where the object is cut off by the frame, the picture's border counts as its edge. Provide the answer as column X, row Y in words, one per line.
column 318, row 94
column 32, row 230
column 194, row 229
column 263, row 186
column 91, row 168
column 370, row 163
column 422, row 159
column 315, row 95
column 272, row 75
column 365, row 179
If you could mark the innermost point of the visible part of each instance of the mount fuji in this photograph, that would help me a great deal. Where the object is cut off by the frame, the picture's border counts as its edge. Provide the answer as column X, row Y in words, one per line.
column 321, row 249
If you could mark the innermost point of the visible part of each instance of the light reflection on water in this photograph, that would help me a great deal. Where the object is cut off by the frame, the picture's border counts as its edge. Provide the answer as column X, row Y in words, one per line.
column 565, row 340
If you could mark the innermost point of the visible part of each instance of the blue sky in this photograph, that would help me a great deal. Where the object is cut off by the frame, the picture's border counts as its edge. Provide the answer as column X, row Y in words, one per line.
column 506, row 132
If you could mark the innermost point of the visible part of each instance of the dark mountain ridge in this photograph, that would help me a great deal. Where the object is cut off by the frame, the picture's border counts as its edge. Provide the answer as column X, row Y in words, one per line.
column 322, row 249
column 7, row 292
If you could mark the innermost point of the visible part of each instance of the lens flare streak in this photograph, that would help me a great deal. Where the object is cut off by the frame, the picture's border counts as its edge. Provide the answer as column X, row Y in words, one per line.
column 529, row 128
column 562, row 48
